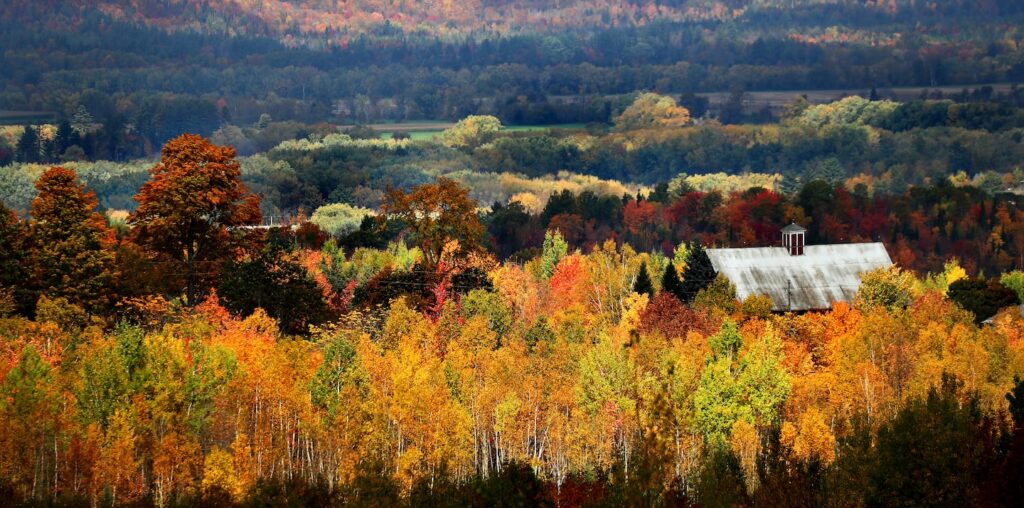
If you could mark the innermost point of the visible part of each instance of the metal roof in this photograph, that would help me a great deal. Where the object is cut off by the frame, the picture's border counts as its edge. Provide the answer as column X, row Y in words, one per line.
column 794, row 228
column 824, row 274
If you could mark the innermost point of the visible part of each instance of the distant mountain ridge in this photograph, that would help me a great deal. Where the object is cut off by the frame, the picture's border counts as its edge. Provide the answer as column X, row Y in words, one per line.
column 333, row 22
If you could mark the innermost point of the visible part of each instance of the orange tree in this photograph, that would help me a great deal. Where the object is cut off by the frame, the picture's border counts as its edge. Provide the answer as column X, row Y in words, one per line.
column 437, row 214
column 70, row 240
column 191, row 204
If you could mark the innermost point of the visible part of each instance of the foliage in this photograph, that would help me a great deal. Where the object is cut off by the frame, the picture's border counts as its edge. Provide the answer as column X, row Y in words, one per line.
column 71, row 241
column 557, row 372
column 910, row 468
column 554, row 249
column 759, row 306
column 983, row 298
column 652, row 110
column 188, row 207
column 670, row 282
column 720, row 294
column 854, row 110
column 14, row 268
column 339, row 219
column 698, row 275
column 889, row 288
column 437, row 214
column 1015, row 281
column 471, row 132
column 275, row 282
column 642, row 284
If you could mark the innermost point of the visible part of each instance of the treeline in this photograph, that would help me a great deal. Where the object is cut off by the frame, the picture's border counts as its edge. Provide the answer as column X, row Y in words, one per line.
column 889, row 146
column 923, row 218
column 921, row 228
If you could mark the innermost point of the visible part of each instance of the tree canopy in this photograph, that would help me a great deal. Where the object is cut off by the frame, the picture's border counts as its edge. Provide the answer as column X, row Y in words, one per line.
column 189, row 207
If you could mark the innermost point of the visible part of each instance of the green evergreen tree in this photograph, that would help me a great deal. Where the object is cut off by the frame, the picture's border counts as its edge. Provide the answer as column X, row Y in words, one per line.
column 670, row 281
column 698, row 275
column 28, row 146
column 936, row 449
column 66, row 136
column 643, row 285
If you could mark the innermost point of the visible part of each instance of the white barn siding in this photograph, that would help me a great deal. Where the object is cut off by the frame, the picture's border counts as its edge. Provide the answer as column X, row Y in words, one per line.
column 822, row 275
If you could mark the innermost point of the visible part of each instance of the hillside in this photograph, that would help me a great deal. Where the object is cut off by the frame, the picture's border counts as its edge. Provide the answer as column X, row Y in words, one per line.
column 332, row 22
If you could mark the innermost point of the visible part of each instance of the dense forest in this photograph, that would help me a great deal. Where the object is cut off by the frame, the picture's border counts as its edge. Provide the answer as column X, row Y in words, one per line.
column 399, row 253
column 183, row 356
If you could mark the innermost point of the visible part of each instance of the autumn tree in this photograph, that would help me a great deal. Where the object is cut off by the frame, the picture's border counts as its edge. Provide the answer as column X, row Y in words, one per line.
column 471, row 132
column 652, row 110
column 436, row 214
column 666, row 315
column 889, row 288
column 70, row 240
column 29, row 403
column 720, row 294
column 191, row 204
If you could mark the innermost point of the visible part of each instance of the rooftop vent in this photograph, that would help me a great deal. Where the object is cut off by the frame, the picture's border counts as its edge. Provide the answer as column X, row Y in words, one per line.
column 793, row 239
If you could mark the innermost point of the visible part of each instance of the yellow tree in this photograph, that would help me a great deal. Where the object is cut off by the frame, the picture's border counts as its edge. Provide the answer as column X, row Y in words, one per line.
column 652, row 110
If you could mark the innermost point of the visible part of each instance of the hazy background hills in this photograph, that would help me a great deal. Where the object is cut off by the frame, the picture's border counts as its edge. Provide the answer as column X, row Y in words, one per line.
column 153, row 69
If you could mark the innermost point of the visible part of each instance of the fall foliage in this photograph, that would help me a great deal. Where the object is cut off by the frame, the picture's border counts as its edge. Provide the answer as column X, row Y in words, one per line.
column 425, row 371
column 187, row 209
column 71, row 241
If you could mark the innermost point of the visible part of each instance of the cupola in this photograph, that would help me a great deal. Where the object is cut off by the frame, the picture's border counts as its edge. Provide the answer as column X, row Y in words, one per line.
column 793, row 239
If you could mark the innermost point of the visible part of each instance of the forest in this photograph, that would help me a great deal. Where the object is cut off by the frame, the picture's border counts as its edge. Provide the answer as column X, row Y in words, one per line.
column 183, row 355
column 152, row 70
column 375, row 253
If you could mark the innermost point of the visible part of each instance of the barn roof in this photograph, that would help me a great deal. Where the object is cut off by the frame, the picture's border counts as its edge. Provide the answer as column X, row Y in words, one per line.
column 824, row 274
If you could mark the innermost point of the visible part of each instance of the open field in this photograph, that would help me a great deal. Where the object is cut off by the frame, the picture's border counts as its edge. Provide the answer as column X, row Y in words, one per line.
column 23, row 117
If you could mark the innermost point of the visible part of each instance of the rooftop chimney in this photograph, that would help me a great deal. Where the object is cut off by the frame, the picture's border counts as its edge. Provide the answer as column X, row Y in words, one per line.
column 793, row 239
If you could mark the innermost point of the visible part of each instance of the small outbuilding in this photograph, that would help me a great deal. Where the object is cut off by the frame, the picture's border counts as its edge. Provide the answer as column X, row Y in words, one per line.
column 798, row 276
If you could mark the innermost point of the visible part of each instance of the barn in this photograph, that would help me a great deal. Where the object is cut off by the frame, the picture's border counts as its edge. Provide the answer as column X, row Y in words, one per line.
column 797, row 276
